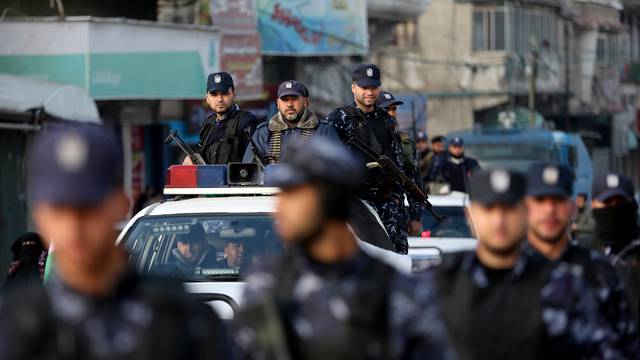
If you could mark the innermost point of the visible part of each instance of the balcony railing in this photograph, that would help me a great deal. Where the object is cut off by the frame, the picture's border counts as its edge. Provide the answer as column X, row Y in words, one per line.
column 396, row 10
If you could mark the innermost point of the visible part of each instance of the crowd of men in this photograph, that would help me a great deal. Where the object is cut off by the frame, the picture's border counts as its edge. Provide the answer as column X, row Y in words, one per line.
column 528, row 291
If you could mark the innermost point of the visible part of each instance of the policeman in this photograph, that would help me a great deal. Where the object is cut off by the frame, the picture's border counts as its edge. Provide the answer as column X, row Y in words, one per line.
column 456, row 168
column 225, row 135
column 411, row 215
column 370, row 124
column 93, row 306
column 550, row 208
column 501, row 304
column 294, row 120
column 424, row 153
column 615, row 212
column 583, row 225
column 325, row 298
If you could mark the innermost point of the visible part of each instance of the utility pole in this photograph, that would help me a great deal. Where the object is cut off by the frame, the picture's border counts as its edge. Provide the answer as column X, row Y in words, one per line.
column 567, row 75
column 535, row 55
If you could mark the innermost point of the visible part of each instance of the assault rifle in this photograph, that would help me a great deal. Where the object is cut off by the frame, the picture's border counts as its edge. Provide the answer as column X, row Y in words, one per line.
column 390, row 168
column 196, row 158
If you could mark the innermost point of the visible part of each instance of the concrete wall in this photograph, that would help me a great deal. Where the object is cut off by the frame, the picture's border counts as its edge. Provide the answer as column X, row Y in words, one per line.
column 436, row 68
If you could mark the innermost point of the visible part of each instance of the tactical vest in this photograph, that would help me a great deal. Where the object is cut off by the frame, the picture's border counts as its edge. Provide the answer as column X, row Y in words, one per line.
column 519, row 315
column 275, row 141
column 41, row 332
column 228, row 148
column 378, row 136
column 369, row 318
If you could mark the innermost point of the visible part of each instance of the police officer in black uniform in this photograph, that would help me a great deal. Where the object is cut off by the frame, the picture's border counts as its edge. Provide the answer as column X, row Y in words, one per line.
column 549, row 212
column 325, row 298
column 412, row 215
column 225, row 136
column 501, row 304
column 455, row 168
column 364, row 120
column 93, row 306
column 615, row 212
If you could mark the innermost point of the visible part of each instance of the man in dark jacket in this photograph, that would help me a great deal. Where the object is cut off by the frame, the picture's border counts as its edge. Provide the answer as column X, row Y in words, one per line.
column 615, row 212
column 324, row 298
column 93, row 306
column 224, row 136
column 549, row 211
column 295, row 121
column 500, row 303
column 456, row 168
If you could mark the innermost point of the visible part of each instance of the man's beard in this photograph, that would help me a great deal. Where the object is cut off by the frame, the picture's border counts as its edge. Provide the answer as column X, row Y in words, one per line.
column 553, row 239
column 291, row 117
column 305, row 240
column 505, row 252
column 362, row 101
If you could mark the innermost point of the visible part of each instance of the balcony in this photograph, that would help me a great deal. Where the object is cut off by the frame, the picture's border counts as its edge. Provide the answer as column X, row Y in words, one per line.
column 397, row 10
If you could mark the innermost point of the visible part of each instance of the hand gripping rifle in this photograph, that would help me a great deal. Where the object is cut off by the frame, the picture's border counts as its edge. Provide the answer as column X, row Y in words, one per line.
column 263, row 160
column 196, row 158
column 390, row 168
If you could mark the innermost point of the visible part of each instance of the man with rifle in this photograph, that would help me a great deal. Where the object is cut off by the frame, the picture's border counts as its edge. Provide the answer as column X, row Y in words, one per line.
column 325, row 298
column 222, row 138
column 365, row 121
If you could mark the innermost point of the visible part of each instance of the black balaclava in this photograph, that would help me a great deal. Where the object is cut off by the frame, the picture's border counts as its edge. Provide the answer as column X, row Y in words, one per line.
column 616, row 226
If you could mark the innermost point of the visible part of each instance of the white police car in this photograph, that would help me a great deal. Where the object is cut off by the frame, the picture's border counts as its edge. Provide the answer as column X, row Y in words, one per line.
column 453, row 234
column 238, row 229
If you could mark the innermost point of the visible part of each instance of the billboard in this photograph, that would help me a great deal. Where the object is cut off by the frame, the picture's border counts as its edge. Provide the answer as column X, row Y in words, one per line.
column 240, row 44
column 313, row 27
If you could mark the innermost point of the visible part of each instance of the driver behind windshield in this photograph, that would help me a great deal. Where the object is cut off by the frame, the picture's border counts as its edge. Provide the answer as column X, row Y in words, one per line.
column 192, row 250
column 233, row 254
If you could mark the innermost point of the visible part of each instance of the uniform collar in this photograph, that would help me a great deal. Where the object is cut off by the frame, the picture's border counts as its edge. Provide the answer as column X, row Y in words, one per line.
column 309, row 120
column 471, row 265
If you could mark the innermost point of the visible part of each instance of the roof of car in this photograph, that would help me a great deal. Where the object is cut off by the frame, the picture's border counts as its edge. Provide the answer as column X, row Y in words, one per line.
column 509, row 136
column 201, row 205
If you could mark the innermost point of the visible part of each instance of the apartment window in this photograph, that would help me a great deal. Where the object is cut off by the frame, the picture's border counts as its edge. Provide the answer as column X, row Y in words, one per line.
column 533, row 27
column 601, row 50
column 489, row 30
column 405, row 34
column 612, row 49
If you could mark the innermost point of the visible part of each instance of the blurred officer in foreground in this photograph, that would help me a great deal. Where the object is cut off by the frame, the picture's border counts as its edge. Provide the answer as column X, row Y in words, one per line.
column 455, row 168
column 293, row 122
column 550, row 209
column 363, row 120
column 223, row 137
column 411, row 216
column 615, row 212
column 501, row 304
column 93, row 306
column 324, row 298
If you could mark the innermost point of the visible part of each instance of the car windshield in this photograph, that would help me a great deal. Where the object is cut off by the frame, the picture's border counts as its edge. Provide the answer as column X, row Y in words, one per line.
column 201, row 247
column 514, row 156
column 454, row 225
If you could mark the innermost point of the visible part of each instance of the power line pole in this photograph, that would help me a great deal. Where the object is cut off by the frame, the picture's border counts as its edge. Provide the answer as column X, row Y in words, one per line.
column 535, row 55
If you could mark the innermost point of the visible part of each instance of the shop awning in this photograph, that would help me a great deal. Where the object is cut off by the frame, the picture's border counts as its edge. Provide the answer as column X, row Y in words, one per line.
column 70, row 102
column 112, row 58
